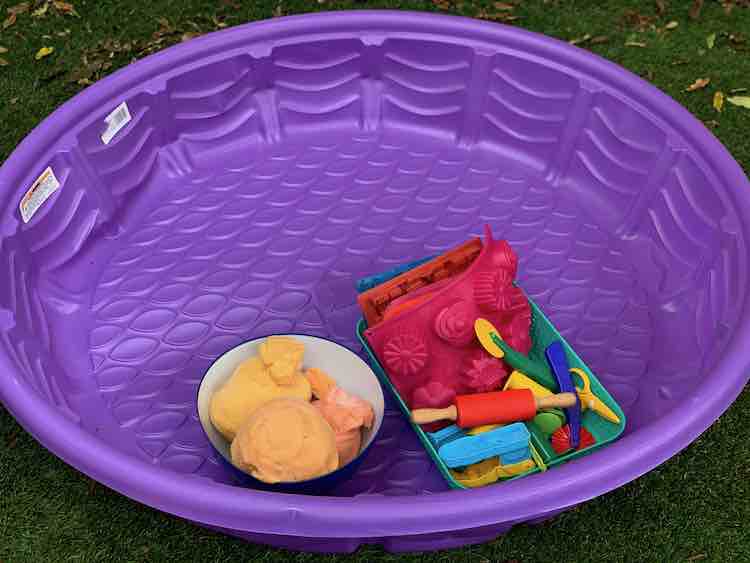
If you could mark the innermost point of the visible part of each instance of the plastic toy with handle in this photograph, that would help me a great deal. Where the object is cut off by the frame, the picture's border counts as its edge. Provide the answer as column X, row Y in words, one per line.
column 497, row 407
column 591, row 401
column 491, row 341
column 555, row 354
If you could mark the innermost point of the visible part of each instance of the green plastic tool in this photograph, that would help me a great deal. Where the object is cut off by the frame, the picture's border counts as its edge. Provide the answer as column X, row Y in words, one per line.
column 489, row 335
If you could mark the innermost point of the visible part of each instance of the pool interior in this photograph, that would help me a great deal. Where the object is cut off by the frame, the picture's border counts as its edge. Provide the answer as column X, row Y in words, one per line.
column 248, row 195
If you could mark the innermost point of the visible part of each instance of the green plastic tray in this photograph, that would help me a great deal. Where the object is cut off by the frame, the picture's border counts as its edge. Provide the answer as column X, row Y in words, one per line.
column 543, row 333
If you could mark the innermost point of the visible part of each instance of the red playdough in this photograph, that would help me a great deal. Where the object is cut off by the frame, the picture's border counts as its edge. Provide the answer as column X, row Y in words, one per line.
column 428, row 347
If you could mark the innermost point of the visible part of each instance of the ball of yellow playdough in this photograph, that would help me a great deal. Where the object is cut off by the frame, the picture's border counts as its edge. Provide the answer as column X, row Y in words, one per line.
column 250, row 387
column 285, row 440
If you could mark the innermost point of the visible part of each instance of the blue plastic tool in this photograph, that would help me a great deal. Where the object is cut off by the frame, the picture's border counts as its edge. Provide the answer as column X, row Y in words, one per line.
column 558, row 362
column 510, row 443
column 447, row 434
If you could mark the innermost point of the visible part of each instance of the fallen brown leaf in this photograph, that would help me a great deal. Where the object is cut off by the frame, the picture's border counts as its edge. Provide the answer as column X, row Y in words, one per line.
column 13, row 101
column 579, row 40
column 635, row 19
column 19, row 9
column 599, row 39
column 712, row 123
column 699, row 84
column 65, row 8
column 503, row 6
column 671, row 25
column 661, row 7
column 505, row 17
column 3, row 50
column 10, row 20
column 695, row 9
column 190, row 35
column 3, row 62
column 44, row 52
column 728, row 5
column 718, row 101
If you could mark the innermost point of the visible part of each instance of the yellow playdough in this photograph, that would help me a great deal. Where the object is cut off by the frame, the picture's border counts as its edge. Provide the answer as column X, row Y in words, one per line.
column 250, row 387
column 282, row 355
column 285, row 440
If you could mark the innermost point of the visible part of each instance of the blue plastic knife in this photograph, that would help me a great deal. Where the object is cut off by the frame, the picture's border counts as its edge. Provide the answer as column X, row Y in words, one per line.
column 558, row 362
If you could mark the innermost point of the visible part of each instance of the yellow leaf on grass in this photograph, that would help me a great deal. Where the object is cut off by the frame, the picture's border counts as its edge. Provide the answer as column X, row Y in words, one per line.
column 719, row 101
column 671, row 25
column 3, row 50
column 41, row 11
column 711, row 41
column 742, row 101
column 699, row 84
column 44, row 52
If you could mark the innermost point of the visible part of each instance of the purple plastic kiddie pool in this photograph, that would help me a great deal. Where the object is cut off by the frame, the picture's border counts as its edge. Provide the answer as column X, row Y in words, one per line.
column 258, row 172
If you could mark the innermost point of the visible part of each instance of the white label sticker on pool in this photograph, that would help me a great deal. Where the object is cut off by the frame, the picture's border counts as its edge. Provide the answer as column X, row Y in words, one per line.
column 115, row 121
column 38, row 193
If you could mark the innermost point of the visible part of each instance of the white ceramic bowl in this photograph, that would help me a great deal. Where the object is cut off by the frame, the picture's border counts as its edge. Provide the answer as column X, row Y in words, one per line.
column 351, row 373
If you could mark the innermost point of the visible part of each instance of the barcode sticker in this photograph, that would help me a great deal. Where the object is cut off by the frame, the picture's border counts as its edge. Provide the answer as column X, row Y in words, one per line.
column 115, row 121
column 38, row 193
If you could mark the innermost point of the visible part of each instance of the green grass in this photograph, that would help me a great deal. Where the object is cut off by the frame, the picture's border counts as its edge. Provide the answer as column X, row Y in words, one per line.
column 692, row 508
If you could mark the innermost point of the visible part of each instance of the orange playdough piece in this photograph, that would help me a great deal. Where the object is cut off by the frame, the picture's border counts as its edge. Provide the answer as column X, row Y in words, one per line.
column 320, row 382
column 348, row 445
column 285, row 440
column 347, row 415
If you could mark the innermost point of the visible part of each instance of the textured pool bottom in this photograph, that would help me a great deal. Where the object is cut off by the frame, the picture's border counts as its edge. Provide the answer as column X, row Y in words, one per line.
column 227, row 253
column 269, row 166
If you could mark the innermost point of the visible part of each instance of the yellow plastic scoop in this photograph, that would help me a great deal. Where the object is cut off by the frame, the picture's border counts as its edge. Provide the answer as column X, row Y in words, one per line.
column 484, row 330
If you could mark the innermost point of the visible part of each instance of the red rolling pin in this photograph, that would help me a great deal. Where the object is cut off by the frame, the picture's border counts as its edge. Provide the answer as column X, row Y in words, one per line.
column 497, row 407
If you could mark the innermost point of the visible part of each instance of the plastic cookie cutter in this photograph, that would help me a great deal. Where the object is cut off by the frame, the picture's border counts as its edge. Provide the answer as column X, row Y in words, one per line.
column 490, row 339
column 558, row 361
column 590, row 401
column 369, row 282
column 509, row 443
